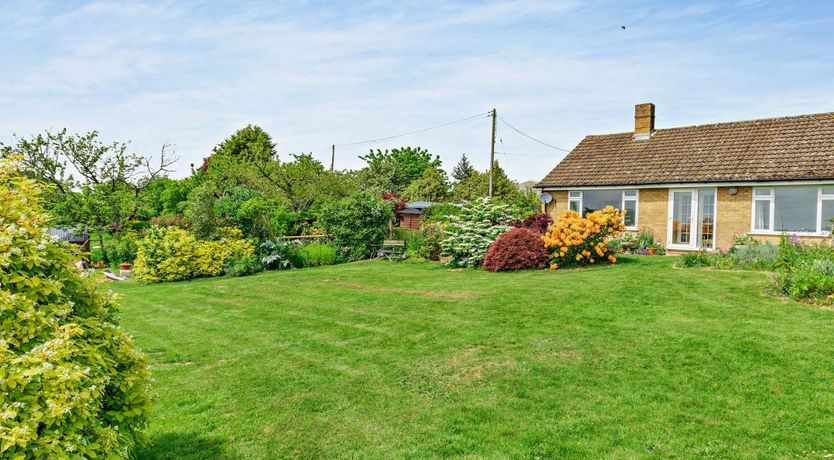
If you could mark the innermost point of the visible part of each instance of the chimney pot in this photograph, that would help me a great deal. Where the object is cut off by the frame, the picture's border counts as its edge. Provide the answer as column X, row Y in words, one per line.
column 643, row 121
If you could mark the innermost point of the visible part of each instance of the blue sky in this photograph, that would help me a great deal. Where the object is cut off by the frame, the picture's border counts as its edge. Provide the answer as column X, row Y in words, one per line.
column 317, row 73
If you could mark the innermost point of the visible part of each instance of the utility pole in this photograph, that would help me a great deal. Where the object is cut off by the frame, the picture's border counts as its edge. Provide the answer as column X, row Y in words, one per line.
column 332, row 157
column 494, row 115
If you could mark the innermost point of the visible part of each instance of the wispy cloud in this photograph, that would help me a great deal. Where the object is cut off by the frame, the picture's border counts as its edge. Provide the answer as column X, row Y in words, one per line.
column 318, row 73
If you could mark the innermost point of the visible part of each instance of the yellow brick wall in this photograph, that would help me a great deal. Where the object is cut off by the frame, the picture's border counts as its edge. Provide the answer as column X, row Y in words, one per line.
column 732, row 215
column 653, row 212
column 558, row 206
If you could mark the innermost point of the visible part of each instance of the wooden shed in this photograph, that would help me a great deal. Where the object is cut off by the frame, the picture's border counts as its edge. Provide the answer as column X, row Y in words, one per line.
column 409, row 216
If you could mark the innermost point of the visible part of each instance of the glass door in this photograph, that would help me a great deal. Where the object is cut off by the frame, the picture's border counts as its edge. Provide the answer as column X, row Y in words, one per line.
column 681, row 218
column 692, row 218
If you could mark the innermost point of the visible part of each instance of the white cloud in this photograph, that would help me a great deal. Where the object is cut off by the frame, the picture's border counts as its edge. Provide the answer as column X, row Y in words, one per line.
column 313, row 75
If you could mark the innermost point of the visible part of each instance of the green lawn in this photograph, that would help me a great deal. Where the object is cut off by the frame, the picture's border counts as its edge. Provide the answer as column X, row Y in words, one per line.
column 410, row 360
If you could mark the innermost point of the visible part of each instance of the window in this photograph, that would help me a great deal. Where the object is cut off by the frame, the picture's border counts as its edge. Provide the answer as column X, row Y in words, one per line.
column 762, row 202
column 593, row 200
column 575, row 201
column 793, row 209
column 630, row 207
column 826, row 208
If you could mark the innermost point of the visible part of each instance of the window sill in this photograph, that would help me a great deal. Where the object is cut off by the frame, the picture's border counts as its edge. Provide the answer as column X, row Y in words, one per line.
column 772, row 233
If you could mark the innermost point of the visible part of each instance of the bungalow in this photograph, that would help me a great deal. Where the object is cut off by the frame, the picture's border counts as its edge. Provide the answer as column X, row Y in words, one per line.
column 700, row 186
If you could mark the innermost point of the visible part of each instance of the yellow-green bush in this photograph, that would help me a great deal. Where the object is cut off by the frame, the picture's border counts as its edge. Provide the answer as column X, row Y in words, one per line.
column 71, row 383
column 173, row 254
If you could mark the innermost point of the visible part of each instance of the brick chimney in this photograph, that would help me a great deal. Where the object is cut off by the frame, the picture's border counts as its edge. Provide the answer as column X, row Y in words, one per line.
column 643, row 121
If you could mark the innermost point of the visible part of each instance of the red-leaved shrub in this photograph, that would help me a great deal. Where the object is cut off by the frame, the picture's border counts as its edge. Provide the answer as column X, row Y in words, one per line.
column 518, row 249
column 538, row 222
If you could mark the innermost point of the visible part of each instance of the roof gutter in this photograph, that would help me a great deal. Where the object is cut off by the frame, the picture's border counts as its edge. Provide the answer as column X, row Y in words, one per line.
column 548, row 188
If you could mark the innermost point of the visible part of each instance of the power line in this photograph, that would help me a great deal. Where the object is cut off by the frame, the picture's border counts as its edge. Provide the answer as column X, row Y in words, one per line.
column 451, row 123
column 531, row 137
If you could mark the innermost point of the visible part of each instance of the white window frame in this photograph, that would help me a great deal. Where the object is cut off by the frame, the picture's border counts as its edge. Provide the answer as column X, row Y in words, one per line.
column 578, row 196
column 771, row 198
column 636, row 200
column 575, row 196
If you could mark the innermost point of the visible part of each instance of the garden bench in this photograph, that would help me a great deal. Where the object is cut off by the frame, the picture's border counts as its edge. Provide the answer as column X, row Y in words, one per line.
column 392, row 250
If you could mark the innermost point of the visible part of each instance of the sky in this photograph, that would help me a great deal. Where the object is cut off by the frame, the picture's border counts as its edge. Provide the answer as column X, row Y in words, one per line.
column 317, row 73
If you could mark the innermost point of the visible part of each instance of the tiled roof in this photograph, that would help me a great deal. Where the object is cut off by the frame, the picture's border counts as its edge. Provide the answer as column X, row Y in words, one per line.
column 773, row 149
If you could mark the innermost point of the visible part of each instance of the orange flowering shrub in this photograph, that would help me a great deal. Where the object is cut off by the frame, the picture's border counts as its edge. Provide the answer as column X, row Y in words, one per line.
column 575, row 240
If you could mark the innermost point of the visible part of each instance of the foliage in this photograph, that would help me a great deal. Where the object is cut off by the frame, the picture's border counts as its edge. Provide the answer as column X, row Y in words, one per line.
column 396, row 201
column 537, row 222
column 463, row 169
column 280, row 254
column 518, row 249
column 199, row 212
column 250, row 143
column 469, row 234
column 805, row 271
column 395, row 169
column 72, row 385
column 173, row 254
column 357, row 224
column 121, row 248
column 431, row 245
column 432, row 186
column 95, row 185
column 317, row 254
column 170, row 220
column 576, row 240
column 477, row 186
column 439, row 213
column 242, row 265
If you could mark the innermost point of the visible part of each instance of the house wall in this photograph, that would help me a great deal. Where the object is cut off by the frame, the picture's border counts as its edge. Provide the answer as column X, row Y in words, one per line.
column 733, row 215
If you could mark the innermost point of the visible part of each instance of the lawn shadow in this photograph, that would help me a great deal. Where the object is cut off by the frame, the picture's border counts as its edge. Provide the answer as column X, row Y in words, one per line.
column 184, row 446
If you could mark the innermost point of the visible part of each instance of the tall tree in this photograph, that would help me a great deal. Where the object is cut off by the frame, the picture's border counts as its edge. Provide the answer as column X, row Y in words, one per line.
column 96, row 185
column 433, row 186
column 400, row 166
column 463, row 170
column 250, row 143
column 477, row 186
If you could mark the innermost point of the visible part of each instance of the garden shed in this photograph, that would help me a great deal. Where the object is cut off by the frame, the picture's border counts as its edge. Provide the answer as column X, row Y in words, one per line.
column 76, row 237
column 409, row 216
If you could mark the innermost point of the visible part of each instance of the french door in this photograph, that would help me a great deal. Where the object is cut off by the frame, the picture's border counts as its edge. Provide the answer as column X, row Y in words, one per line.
column 691, row 218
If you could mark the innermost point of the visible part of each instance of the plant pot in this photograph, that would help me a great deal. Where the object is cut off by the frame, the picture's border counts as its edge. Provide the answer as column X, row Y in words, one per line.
column 652, row 251
column 125, row 266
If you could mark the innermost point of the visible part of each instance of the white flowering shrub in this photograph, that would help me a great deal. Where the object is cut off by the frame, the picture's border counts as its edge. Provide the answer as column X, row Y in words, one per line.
column 469, row 234
column 72, row 385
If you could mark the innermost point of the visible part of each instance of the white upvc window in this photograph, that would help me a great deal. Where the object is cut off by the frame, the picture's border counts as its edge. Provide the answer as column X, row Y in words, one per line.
column 575, row 201
column 630, row 199
column 793, row 209
column 587, row 201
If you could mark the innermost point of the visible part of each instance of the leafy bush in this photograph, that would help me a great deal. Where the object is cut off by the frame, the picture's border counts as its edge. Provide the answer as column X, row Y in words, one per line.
column 280, row 254
column 696, row 259
column 439, row 213
column 755, row 256
column 431, row 247
column 357, row 224
column 317, row 254
column 170, row 220
column 576, row 240
column 121, row 249
column 173, row 254
column 809, row 279
column 469, row 234
column 537, row 222
column 518, row 249
column 72, row 385
column 242, row 265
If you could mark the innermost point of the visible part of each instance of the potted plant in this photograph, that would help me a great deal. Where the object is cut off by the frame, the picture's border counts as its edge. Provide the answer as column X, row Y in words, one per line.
column 651, row 250
column 125, row 266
